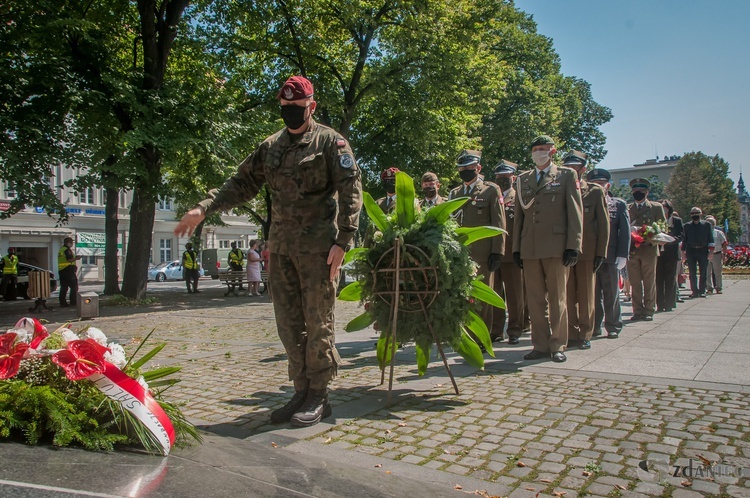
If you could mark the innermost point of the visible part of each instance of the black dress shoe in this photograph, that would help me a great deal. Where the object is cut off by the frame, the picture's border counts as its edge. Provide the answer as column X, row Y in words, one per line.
column 636, row 318
column 597, row 333
column 559, row 357
column 573, row 343
column 647, row 318
column 680, row 300
column 702, row 295
column 496, row 338
column 535, row 355
column 613, row 335
column 585, row 344
column 513, row 340
column 693, row 295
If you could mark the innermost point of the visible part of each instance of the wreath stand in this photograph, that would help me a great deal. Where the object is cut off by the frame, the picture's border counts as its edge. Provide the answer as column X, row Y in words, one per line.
column 414, row 301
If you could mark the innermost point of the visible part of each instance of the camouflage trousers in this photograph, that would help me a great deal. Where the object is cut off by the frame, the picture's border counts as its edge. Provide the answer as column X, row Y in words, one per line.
column 303, row 302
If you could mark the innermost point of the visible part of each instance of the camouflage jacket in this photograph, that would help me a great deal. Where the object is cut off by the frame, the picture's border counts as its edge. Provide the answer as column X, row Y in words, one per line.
column 315, row 186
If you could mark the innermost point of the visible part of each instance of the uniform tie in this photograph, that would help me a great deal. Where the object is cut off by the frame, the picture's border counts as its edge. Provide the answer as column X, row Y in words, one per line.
column 388, row 201
column 467, row 189
column 540, row 177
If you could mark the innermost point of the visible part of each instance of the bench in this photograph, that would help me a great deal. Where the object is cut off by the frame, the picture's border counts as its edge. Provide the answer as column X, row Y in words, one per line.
column 236, row 278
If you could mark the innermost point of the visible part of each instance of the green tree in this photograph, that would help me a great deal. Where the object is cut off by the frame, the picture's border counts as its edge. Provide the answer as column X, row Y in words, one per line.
column 703, row 181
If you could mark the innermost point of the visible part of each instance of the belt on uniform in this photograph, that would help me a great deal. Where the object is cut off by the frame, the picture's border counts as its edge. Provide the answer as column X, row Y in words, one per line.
column 717, row 252
column 696, row 247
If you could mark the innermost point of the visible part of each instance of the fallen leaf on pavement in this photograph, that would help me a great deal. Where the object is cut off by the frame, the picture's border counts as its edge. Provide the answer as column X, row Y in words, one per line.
column 388, row 472
column 547, row 481
column 687, row 483
column 328, row 440
column 402, row 424
column 458, row 486
column 530, row 489
column 620, row 486
column 586, row 473
column 559, row 493
column 520, row 464
column 704, row 460
column 387, row 431
column 708, row 428
column 378, row 465
column 274, row 444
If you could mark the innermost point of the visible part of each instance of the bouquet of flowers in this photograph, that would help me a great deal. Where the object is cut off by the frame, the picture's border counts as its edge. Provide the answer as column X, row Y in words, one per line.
column 80, row 388
column 737, row 257
column 651, row 234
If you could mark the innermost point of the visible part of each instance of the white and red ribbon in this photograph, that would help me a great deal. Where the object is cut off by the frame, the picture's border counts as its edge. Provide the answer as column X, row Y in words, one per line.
column 116, row 385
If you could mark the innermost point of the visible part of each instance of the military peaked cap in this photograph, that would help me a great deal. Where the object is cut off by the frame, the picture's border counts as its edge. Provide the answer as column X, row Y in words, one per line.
column 468, row 157
column 640, row 183
column 505, row 167
column 575, row 158
column 598, row 174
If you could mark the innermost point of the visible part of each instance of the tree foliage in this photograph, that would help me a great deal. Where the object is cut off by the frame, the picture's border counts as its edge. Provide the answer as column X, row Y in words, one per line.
column 703, row 181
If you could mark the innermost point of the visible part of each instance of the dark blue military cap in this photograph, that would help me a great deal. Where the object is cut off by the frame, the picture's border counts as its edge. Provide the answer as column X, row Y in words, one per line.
column 598, row 174
column 640, row 183
column 506, row 167
column 468, row 157
column 575, row 158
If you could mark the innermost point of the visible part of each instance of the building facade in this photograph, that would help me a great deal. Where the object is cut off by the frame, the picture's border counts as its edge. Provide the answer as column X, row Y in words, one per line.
column 652, row 167
column 38, row 239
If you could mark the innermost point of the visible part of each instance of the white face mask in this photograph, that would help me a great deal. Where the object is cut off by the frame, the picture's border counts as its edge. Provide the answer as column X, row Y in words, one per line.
column 540, row 157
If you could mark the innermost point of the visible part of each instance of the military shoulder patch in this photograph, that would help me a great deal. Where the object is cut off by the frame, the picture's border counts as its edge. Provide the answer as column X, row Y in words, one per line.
column 346, row 161
column 340, row 142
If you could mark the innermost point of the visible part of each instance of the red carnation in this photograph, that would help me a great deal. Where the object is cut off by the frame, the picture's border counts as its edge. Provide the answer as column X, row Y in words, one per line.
column 81, row 359
column 10, row 354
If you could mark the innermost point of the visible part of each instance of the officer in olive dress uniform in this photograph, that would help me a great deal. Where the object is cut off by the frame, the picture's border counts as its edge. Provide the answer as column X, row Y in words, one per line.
column 547, row 239
column 509, row 278
column 582, row 278
column 642, row 263
column 316, row 194
column 388, row 180
column 607, row 294
column 484, row 208
column 430, row 191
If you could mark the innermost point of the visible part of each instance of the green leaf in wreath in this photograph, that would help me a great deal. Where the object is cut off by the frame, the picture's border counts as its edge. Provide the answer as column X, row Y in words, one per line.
column 352, row 292
column 138, row 364
column 442, row 212
column 378, row 217
column 475, row 323
column 404, row 200
column 486, row 294
column 386, row 340
column 353, row 254
column 469, row 350
column 469, row 235
column 152, row 375
column 423, row 359
column 362, row 321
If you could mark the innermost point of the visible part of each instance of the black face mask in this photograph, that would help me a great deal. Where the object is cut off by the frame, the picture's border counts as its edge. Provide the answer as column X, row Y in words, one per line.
column 504, row 183
column 429, row 192
column 639, row 196
column 468, row 175
column 390, row 187
column 696, row 217
column 293, row 116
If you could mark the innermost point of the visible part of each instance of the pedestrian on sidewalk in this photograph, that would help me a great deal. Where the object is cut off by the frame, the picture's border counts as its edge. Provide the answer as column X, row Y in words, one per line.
column 316, row 189
column 698, row 244
column 666, row 266
column 190, row 271
column 68, row 272
column 235, row 259
column 715, row 259
column 253, row 269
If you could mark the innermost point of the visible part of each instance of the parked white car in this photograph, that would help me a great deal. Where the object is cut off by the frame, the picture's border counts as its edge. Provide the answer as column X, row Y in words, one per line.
column 167, row 271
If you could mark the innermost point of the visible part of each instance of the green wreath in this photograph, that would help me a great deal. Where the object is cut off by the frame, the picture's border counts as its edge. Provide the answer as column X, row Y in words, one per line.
column 438, row 282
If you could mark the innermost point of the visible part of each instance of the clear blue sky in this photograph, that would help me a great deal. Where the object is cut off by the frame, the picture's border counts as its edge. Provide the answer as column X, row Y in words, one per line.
column 676, row 73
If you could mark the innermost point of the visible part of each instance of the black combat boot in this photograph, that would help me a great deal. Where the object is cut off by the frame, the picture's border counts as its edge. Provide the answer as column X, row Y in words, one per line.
column 316, row 407
column 284, row 414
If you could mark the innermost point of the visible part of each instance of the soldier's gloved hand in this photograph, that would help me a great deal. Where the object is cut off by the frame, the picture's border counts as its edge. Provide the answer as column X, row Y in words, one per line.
column 621, row 262
column 493, row 264
column 570, row 257
column 517, row 259
column 598, row 262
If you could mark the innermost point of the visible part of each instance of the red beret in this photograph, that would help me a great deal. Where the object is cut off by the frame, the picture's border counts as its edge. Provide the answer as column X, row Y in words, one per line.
column 389, row 174
column 295, row 88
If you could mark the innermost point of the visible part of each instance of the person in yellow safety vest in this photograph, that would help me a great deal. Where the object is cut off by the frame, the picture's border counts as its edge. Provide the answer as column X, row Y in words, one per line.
column 235, row 259
column 66, row 267
column 10, row 275
column 190, row 270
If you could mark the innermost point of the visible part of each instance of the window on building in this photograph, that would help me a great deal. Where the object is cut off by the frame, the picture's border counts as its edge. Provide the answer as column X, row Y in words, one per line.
column 123, row 203
column 10, row 191
column 86, row 196
column 165, row 204
column 624, row 182
column 223, row 244
column 88, row 260
column 240, row 244
column 165, row 250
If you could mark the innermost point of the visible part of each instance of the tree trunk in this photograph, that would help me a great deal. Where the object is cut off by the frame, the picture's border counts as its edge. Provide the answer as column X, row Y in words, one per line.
column 111, row 260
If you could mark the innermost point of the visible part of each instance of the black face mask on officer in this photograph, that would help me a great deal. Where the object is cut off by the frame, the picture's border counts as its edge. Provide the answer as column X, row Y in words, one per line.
column 293, row 116
column 468, row 175
column 639, row 196
column 504, row 183
column 429, row 192
column 390, row 186
column 696, row 217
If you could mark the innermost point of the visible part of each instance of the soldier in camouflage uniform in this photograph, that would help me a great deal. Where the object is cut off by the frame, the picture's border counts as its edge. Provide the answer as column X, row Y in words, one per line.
column 316, row 194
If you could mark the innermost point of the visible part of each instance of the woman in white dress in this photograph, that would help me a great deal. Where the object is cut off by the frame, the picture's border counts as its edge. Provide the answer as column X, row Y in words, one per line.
column 253, row 269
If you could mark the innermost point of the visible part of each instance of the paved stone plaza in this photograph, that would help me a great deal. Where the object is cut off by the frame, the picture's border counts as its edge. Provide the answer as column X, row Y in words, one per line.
column 669, row 394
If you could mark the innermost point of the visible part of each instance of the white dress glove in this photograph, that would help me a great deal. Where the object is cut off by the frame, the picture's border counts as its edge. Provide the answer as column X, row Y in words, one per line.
column 621, row 262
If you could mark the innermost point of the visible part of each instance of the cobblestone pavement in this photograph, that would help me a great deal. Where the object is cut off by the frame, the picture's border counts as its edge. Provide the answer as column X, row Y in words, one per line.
column 510, row 431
